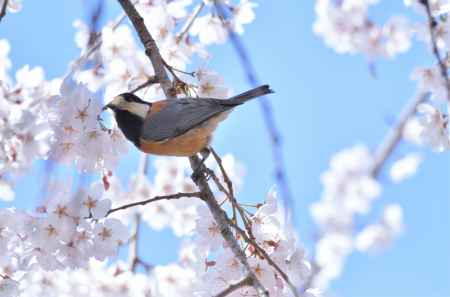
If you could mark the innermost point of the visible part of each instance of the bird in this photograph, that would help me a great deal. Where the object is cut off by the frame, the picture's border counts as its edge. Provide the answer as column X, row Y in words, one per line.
column 179, row 127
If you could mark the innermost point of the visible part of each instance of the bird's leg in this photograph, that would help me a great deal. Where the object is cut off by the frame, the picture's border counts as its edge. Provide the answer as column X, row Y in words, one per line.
column 197, row 171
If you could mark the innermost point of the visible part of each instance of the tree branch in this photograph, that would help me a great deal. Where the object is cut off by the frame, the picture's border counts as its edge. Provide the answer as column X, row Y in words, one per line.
column 245, row 282
column 266, row 107
column 154, row 199
column 150, row 81
column 224, row 224
column 394, row 136
column 206, row 194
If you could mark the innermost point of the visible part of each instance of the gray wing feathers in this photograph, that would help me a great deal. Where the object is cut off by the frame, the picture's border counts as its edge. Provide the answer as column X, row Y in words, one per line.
column 179, row 116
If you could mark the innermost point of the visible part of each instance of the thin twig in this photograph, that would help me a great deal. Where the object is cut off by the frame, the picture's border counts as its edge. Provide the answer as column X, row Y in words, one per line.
column 190, row 21
column 245, row 282
column 226, row 178
column 150, row 81
column 154, row 199
column 432, row 28
column 3, row 11
column 229, row 193
column 274, row 133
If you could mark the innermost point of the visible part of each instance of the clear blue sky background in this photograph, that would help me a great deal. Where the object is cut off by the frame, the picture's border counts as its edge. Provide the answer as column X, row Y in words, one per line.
column 324, row 103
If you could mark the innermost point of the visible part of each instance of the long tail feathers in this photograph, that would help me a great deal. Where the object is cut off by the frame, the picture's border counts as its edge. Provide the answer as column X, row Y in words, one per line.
column 251, row 94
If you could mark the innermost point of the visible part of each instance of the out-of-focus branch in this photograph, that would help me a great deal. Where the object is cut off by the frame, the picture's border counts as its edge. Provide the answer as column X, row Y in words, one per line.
column 133, row 254
column 432, row 28
column 154, row 199
column 275, row 137
column 94, row 22
column 218, row 214
column 3, row 9
column 394, row 136
column 190, row 21
column 245, row 282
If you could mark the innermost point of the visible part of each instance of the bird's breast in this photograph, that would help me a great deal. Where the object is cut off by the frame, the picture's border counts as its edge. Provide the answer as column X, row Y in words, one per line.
column 187, row 144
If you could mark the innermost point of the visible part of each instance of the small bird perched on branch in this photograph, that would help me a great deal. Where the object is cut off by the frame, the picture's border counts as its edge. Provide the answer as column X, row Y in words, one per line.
column 174, row 127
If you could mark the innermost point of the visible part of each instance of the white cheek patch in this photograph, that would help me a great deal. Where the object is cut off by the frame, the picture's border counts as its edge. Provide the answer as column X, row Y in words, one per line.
column 138, row 109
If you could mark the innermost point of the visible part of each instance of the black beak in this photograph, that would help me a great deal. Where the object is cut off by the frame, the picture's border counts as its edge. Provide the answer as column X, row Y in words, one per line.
column 108, row 106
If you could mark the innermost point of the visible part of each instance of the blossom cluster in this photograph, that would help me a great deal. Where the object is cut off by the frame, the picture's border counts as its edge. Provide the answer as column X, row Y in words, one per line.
column 218, row 268
column 346, row 27
column 350, row 191
column 205, row 267
column 65, row 232
column 25, row 134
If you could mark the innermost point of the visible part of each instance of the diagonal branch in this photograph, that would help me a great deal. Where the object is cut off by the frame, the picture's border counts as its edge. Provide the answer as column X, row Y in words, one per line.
column 190, row 21
column 150, row 81
column 393, row 138
column 274, row 133
column 224, row 224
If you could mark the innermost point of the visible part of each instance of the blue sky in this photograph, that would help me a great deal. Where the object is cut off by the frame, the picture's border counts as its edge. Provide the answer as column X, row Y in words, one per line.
column 324, row 102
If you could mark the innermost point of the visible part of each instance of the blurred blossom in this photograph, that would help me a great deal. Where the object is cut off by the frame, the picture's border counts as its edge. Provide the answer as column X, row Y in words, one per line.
column 13, row 5
column 429, row 128
column 405, row 167
column 349, row 190
column 346, row 27
column 380, row 235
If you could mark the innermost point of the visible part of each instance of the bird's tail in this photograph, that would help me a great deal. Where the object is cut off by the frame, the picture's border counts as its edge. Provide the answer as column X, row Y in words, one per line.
column 251, row 94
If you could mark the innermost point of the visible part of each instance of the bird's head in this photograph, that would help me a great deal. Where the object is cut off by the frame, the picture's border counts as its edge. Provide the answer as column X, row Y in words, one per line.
column 131, row 103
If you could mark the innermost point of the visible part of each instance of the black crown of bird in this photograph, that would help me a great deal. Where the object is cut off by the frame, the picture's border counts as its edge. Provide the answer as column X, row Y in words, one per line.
column 174, row 127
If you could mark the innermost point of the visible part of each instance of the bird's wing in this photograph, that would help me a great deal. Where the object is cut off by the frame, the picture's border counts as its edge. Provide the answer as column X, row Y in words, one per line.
column 180, row 115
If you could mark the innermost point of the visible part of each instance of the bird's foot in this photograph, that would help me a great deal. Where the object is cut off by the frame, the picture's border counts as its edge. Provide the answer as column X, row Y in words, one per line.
column 201, row 172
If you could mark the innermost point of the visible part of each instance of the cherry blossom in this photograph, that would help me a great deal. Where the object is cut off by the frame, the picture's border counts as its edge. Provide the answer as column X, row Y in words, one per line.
column 405, row 167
